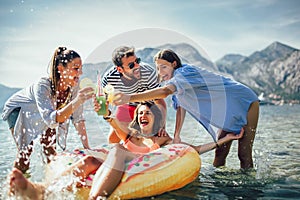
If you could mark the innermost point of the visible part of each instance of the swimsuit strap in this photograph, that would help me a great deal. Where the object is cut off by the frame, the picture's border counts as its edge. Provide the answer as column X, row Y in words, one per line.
column 138, row 149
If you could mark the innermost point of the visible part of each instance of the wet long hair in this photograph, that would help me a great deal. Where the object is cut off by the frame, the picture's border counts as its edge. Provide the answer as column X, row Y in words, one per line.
column 61, row 56
column 168, row 55
column 158, row 118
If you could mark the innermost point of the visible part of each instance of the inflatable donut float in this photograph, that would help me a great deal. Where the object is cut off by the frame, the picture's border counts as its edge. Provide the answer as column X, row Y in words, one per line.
column 165, row 169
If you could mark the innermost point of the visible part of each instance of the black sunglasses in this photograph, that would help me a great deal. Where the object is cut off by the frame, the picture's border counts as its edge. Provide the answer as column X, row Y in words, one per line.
column 132, row 64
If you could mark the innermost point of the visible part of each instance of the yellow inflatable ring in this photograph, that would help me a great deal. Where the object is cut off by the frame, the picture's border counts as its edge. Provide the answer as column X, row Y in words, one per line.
column 168, row 168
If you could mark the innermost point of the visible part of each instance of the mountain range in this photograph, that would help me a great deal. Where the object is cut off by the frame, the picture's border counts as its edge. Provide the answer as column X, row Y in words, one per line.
column 273, row 73
column 6, row 92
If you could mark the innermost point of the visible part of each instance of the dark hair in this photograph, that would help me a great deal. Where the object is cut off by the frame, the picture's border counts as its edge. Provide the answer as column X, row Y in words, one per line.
column 61, row 56
column 168, row 55
column 120, row 53
column 158, row 118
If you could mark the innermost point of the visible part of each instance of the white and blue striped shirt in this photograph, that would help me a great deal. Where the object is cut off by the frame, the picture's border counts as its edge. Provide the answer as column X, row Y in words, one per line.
column 147, row 81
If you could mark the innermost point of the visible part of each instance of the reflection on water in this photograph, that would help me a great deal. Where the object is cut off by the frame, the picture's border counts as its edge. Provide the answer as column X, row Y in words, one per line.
column 276, row 157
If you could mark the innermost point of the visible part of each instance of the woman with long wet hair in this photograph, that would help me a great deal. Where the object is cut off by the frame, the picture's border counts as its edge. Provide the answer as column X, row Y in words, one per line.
column 44, row 108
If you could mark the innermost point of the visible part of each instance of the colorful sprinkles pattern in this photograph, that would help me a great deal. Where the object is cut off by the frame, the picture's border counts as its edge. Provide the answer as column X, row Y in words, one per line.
column 149, row 161
column 167, row 154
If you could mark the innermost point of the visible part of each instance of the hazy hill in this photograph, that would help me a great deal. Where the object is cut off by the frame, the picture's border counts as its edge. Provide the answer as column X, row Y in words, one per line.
column 6, row 92
column 274, row 71
column 186, row 52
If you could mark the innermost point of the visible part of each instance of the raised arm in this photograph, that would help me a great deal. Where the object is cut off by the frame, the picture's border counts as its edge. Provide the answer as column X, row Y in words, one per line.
column 83, row 95
column 156, row 93
column 212, row 145
column 121, row 130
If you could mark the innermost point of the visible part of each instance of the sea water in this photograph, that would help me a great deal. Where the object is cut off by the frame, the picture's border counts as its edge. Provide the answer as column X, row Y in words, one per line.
column 276, row 154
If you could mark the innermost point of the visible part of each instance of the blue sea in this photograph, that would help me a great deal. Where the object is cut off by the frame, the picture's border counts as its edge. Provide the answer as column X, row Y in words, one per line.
column 276, row 156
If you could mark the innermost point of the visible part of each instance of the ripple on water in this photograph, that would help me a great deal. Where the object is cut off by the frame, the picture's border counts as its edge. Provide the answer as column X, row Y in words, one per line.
column 276, row 158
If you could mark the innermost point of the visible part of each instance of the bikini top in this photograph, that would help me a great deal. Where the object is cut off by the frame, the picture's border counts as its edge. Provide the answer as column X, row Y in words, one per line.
column 138, row 149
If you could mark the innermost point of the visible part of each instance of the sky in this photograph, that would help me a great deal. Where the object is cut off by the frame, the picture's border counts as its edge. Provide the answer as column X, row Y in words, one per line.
column 32, row 29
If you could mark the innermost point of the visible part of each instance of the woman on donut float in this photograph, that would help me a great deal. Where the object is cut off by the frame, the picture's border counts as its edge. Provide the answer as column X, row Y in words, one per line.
column 140, row 138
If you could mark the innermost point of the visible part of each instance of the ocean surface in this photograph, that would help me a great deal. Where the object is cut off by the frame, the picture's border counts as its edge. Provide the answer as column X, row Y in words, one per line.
column 276, row 156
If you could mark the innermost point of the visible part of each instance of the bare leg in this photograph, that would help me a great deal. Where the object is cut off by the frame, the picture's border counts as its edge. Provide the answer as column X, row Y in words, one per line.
column 222, row 152
column 246, row 142
column 48, row 142
column 22, row 161
column 22, row 187
column 19, row 185
column 83, row 168
column 110, row 173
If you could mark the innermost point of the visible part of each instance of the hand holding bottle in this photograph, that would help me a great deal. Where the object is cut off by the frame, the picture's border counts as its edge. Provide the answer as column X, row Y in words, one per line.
column 100, row 96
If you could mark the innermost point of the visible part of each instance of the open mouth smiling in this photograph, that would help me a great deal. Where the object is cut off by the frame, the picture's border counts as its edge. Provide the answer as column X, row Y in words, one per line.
column 144, row 122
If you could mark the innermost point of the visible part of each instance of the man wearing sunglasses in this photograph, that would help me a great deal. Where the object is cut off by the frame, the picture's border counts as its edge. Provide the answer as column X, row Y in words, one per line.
column 130, row 75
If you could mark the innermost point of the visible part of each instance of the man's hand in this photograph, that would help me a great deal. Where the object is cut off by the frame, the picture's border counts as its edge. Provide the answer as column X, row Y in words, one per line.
column 120, row 98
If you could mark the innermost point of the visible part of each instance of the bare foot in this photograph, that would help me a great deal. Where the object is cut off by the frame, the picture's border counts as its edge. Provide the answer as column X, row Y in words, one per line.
column 20, row 186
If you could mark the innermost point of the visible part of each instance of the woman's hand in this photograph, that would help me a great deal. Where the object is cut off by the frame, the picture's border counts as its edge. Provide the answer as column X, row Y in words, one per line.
column 232, row 136
column 162, row 132
column 85, row 94
column 97, row 106
column 161, row 140
column 82, row 95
